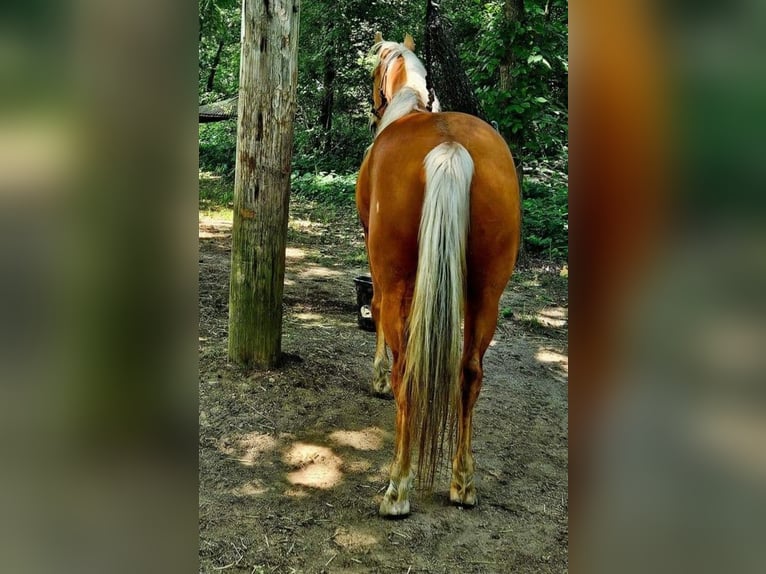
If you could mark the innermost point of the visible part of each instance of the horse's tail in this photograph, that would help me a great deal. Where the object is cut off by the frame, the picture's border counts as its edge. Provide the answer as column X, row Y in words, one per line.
column 431, row 378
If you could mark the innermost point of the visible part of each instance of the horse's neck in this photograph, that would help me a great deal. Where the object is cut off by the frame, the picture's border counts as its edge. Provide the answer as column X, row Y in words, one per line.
column 406, row 101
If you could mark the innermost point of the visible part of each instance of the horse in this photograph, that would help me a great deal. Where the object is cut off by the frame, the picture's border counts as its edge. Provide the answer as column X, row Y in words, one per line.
column 438, row 200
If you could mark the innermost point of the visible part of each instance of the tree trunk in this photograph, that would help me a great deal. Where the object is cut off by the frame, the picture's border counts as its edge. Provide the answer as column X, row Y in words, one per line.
column 214, row 66
column 328, row 98
column 514, row 15
column 445, row 72
column 267, row 85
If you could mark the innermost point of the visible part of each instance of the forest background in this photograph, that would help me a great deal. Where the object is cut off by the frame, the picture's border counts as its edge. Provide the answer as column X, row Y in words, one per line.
column 514, row 53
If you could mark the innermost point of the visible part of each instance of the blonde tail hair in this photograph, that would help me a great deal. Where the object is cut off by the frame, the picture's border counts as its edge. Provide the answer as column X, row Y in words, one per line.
column 431, row 380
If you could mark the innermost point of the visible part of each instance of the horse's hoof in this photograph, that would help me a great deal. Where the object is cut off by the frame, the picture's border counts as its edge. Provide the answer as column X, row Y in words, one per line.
column 394, row 508
column 463, row 496
column 396, row 500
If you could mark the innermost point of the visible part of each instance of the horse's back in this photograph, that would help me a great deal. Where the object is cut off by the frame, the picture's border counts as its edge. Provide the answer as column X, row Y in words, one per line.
column 394, row 175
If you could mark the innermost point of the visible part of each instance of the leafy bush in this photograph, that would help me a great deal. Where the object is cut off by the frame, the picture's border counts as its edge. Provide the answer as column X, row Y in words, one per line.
column 545, row 215
column 531, row 110
column 218, row 147
column 326, row 188
column 340, row 150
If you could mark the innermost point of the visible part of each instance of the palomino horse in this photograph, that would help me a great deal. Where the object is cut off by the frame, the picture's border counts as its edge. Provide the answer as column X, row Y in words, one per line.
column 439, row 202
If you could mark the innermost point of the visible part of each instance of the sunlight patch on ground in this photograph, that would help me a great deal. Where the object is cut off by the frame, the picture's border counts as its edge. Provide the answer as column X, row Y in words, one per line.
column 309, row 317
column 247, row 448
column 214, row 224
column 319, row 272
column 552, row 317
column 353, row 539
column 211, row 231
column 366, row 439
column 295, row 253
column 551, row 356
column 252, row 488
column 306, row 226
column 310, row 320
column 327, row 324
column 318, row 466
column 296, row 492
column 554, row 312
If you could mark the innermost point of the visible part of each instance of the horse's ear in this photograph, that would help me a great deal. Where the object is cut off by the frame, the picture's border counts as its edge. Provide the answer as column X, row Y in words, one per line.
column 409, row 43
column 378, row 37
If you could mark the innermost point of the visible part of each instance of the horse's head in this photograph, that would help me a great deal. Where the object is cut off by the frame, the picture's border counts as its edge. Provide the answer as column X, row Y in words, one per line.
column 389, row 75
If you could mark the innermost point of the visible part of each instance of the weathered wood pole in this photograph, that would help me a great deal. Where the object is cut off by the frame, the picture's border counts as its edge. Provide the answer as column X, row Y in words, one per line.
column 268, row 77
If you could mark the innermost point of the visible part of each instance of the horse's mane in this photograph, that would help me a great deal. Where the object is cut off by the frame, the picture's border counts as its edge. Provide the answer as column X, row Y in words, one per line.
column 414, row 94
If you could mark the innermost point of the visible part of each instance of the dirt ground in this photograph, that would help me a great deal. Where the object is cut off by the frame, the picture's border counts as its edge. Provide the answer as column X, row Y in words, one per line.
column 293, row 462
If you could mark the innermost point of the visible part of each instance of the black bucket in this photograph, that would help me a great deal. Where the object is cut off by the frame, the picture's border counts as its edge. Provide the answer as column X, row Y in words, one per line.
column 363, row 284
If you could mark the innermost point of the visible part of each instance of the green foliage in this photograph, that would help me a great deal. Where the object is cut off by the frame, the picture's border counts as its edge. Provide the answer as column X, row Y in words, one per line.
column 327, row 188
column 340, row 150
column 218, row 147
column 215, row 192
column 219, row 23
column 334, row 83
column 519, row 70
column 545, row 213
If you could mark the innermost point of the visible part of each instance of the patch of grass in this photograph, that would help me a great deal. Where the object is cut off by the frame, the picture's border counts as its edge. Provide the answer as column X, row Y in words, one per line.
column 532, row 324
column 218, row 213
column 356, row 259
column 328, row 200
column 215, row 192
column 329, row 189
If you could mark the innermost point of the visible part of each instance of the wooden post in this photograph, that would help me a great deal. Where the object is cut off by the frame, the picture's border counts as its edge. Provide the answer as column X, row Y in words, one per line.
column 267, row 83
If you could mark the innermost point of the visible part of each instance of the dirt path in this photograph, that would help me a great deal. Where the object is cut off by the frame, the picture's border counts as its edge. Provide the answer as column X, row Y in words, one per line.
column 292, row 462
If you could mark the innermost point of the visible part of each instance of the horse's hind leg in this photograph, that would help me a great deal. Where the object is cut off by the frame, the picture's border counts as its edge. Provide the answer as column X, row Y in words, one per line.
column 462, row 488
column 396, row 501
column 381, row 384
column 480, row 323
